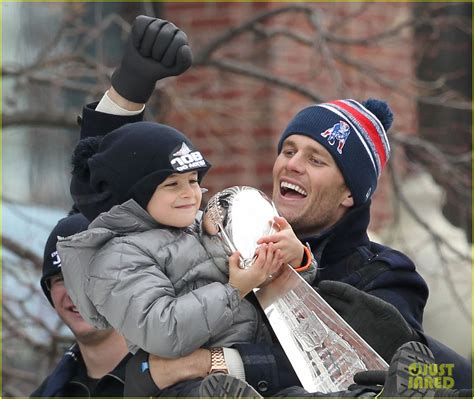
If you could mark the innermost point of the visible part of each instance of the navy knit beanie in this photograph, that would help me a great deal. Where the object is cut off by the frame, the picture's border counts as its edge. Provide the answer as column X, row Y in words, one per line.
column 355, row 136
column 129, row 163
column 51, row 262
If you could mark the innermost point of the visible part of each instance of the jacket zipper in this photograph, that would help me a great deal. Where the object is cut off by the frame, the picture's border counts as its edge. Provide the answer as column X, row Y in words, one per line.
column 116, row 377
column 82, row 386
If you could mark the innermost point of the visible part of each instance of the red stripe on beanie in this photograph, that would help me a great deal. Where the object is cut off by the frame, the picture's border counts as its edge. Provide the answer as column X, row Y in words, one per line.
column 369, row 127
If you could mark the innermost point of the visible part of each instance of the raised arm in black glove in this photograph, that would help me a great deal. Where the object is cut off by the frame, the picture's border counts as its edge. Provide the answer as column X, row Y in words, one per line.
column 155, row 50
column 376, row 321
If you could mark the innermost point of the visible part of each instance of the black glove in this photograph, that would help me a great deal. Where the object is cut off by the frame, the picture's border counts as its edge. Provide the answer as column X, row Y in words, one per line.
column 368, row 381
column 376, row 321
column 138, row 381
column 155, row 50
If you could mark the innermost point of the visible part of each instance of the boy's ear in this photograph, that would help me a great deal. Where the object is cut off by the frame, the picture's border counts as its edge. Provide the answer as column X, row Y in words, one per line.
column 208, row 225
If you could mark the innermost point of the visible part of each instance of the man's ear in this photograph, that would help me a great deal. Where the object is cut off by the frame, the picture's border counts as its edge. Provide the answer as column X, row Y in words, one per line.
column 348, row 201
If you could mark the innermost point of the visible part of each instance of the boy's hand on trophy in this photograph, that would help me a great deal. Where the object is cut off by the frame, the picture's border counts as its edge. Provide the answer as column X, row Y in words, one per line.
column 155, row 50
column 267, row 261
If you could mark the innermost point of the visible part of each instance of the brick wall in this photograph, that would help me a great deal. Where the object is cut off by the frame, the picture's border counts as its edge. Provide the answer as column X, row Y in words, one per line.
column 237, row 120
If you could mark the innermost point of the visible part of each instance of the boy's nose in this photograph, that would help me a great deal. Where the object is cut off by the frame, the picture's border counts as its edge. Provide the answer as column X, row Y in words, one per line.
column 187, row 190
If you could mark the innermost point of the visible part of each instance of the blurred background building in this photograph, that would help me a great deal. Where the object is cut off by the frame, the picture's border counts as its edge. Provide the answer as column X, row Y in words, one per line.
column 255, row 66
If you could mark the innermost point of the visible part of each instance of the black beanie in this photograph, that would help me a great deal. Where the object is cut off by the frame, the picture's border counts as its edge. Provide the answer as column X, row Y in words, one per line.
column 129, row 163
column 51, row 262
column 354, row 134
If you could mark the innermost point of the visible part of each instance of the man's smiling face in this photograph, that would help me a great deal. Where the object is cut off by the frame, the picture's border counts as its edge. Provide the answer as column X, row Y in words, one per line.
column 308, row 187
column 83, row 331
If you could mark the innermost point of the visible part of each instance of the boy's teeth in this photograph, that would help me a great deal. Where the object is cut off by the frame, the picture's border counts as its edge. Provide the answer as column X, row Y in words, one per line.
column 293, row 187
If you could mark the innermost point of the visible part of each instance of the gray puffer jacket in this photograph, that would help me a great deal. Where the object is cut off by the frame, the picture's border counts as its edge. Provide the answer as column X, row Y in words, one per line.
column 158, row 286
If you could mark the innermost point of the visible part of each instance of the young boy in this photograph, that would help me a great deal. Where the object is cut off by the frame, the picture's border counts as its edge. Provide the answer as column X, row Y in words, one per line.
column 148, row 274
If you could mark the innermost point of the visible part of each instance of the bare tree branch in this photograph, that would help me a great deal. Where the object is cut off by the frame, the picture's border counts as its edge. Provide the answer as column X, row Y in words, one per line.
column 455, row 104
column 39, row 119
column 206, row 52
column 22, row 252
column 437, row 238
column 253, row 72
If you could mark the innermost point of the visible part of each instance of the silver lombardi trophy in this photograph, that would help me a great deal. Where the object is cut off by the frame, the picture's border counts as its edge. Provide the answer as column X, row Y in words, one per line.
column 322, row 348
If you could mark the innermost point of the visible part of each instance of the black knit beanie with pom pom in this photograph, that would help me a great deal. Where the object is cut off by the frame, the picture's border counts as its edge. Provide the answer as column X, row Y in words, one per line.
column 129, row 163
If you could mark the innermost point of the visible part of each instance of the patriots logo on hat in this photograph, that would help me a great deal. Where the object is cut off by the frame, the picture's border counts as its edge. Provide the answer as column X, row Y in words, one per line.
column 340, row 132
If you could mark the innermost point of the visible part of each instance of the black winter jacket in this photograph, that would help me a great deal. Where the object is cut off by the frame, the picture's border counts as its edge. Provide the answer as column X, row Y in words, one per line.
column 69, row 379
column 346, row 254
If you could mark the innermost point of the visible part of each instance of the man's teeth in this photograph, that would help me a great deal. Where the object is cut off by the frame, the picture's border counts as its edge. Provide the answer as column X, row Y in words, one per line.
column 293, row 187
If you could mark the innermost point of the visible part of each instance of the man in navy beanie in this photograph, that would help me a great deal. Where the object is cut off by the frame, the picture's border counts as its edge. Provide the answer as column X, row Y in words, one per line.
column 330, row 158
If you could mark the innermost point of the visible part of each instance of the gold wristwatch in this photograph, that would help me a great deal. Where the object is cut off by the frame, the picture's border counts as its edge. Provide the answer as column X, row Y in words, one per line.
column 218, row 364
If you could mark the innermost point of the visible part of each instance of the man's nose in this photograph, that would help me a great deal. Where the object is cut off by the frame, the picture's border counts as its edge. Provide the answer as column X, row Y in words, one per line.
column 296, row 163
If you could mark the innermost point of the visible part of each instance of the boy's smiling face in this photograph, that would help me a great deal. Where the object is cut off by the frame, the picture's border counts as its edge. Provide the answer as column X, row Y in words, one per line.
column 176, row 200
